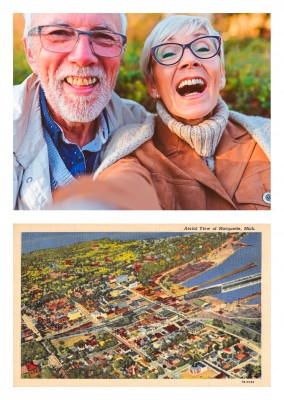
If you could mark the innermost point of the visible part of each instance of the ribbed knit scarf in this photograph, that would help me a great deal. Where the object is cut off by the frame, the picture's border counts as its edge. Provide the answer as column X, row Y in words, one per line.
column 203, row 138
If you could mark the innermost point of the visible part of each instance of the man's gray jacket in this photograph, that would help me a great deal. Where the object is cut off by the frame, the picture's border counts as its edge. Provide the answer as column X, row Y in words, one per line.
column 31, row 176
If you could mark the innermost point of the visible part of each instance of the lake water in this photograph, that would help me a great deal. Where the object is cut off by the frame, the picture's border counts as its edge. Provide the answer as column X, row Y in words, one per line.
column 32, row 241
column 243, row 256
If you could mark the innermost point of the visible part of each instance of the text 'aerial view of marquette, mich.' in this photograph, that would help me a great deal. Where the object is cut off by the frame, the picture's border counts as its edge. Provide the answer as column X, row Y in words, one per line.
column 141, row 305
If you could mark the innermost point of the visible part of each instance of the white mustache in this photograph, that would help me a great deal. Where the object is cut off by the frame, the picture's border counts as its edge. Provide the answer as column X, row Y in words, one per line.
column 63, row 72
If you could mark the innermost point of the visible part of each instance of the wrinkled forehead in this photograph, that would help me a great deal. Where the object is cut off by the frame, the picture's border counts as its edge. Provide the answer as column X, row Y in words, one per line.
column 81, row 20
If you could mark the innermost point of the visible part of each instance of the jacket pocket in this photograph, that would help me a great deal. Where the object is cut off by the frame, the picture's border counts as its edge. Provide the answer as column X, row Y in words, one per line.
column 179, row 194
column 254, row 192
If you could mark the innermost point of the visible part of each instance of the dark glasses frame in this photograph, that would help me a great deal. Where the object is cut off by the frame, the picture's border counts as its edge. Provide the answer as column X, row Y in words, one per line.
column 185, row 46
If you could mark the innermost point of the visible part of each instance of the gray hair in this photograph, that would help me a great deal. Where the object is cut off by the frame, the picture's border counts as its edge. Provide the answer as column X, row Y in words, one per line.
column 168, row 27
column 29, row 18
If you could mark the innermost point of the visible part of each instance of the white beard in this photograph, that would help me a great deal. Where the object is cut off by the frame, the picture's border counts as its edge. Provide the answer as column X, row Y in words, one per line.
column 79, row 108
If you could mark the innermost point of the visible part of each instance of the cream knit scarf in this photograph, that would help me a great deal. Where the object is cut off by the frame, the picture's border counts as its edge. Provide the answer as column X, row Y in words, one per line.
column 203, row 138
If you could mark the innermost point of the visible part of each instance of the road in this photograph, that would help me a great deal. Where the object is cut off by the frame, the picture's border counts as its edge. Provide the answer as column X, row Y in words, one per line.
column 29, row 322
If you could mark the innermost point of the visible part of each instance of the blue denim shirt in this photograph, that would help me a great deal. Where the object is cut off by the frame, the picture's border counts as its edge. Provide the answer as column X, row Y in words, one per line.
column 77, row 160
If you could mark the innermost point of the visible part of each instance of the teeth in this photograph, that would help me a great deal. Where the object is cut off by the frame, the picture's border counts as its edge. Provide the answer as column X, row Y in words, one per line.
column 81, row 81
column 191, row 82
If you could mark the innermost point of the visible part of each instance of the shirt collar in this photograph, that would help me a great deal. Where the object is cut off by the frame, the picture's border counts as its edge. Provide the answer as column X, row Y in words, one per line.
column 51, row 126
column 101, row 136
column 54, row 130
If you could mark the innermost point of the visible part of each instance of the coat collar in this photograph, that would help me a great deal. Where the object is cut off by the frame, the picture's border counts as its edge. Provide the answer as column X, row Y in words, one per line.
column 28, row 132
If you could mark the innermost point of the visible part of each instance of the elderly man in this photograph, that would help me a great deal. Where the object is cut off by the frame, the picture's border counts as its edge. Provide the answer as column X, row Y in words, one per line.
column 66, row 110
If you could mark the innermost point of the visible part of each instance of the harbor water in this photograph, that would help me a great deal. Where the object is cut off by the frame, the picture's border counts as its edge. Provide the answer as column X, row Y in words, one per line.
column 243, row 256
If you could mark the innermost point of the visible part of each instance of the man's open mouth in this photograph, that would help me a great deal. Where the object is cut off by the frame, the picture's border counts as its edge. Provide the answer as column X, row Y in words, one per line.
column 191, row 86
column 78, row 81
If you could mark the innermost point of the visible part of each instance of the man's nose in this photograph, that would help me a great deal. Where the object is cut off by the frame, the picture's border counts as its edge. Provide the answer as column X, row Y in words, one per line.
column 189, row 60
column 82, row 54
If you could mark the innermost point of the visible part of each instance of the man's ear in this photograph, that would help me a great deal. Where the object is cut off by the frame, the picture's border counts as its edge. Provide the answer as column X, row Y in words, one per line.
column 30, row 56
column 151, row 86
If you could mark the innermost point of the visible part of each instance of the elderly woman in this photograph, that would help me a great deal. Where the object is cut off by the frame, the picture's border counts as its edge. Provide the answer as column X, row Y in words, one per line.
column 195, row 154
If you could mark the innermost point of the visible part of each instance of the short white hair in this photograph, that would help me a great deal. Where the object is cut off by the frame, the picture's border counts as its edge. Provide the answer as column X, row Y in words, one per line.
column 29, row 18
column 169, row 26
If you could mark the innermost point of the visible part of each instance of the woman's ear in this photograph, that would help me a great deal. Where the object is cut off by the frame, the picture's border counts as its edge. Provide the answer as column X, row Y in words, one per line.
column 151, row 86
column 30, row 55
column 222, row 78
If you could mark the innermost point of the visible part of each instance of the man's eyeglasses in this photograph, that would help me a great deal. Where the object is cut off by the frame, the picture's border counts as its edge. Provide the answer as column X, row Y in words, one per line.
column 171, row 53
column 62, row 39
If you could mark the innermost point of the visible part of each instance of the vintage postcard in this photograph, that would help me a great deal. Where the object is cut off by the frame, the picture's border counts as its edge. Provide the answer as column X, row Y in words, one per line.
column 133, row 305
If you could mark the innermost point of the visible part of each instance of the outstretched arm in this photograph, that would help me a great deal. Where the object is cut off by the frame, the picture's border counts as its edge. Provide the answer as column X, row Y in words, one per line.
column 126, row 185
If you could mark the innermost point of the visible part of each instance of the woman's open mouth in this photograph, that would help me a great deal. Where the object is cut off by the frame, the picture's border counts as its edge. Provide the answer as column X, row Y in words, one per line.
column 189, row 87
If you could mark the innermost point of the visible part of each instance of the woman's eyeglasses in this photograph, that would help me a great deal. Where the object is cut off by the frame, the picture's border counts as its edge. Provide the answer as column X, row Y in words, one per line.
column 171, row 53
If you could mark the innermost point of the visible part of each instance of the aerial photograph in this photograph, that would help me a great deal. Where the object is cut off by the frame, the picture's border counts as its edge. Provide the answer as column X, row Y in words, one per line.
column 141, row 305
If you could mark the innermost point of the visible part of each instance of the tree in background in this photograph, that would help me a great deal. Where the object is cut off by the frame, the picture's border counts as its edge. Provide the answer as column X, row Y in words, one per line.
column 247, row 58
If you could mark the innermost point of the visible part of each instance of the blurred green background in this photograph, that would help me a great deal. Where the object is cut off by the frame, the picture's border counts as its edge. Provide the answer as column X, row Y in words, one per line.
column 247, row 59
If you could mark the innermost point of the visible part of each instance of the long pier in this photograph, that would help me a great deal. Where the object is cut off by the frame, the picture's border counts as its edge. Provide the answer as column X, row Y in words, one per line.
column 236, row 271
column 241, row 282
column 225, row 287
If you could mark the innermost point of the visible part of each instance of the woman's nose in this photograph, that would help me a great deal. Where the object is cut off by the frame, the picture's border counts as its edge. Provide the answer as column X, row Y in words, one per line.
column 189, row 60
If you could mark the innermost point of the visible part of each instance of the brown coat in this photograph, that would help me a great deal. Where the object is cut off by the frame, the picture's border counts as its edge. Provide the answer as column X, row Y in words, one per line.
column 184, row 182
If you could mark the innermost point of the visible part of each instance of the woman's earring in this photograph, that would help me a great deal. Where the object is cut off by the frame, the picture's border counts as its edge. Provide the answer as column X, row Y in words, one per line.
column 157, row 96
